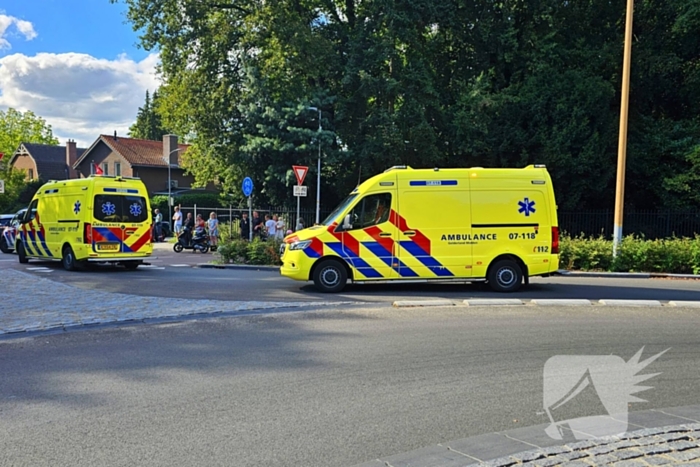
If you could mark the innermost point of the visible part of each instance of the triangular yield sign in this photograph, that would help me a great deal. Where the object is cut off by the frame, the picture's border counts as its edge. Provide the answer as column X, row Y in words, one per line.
column 300, row 172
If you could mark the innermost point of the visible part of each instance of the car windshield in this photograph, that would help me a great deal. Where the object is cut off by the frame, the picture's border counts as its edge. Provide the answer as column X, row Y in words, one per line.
column 341, row 207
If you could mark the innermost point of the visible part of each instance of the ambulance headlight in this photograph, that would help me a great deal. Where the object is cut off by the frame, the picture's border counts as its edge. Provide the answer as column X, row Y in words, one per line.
column 299, row 245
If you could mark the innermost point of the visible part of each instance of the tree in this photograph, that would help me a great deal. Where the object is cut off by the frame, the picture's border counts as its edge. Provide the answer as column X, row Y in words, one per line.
column 148, row 123
column 16, row 128
column 431, row 83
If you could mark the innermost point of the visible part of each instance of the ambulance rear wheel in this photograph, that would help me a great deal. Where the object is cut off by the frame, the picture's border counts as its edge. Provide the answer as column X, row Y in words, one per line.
column 330, row 276
column 505, row 276
column 69, row 262
column 22, row 253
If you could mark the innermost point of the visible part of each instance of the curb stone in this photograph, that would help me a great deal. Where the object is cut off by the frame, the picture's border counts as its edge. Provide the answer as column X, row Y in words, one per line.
column 419, row 303
column 626, row 275
column 655, row 436
column 246, row 267
column 494, row 302
column 687, row 304
column 636, row 303
column 561, row 302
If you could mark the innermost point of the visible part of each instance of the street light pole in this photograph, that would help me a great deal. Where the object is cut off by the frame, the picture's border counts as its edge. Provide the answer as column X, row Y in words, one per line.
column 318, row 168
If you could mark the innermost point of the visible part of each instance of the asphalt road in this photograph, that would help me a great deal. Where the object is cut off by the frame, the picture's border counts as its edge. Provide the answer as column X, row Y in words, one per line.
column 324, row 389
column 173, row 276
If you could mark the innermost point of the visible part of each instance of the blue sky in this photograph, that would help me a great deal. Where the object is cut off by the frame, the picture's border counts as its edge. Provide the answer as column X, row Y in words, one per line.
column 94, row 27
column 75, row 63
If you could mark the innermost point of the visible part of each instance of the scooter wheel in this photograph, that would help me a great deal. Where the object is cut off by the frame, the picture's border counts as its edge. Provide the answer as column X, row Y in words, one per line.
column 178, row 247
column 205, row 249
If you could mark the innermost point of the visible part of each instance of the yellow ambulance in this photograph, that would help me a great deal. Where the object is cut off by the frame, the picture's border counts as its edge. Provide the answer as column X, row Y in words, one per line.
column 99, row 218
column 494, row 225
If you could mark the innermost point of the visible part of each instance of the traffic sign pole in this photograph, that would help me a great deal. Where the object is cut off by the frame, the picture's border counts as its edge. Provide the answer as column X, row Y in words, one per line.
column 247, row 191
column 300, row 172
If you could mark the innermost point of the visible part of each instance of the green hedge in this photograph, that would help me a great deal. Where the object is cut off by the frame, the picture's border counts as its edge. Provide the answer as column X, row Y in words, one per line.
column 670, row 255
column 256, row 252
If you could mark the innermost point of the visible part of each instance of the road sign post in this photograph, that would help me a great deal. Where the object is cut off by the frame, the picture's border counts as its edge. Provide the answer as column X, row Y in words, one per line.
column 247, row 191
column 300, row 172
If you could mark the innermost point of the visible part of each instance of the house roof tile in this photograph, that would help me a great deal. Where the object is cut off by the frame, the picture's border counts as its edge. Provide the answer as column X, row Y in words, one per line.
column 50, row 160
column 140, row 151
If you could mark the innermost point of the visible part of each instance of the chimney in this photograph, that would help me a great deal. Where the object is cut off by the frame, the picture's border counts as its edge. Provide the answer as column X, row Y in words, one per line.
column 115, row 135
column 71, row 158
column 169, row 149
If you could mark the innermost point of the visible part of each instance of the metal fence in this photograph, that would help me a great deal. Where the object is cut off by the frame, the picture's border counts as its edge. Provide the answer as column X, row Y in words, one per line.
column 650, row 224
column 230, row 216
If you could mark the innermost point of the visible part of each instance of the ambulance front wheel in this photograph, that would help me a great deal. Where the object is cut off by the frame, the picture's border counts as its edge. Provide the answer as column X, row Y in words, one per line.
column 22, row 253
column 330, row 276
column 505, row 276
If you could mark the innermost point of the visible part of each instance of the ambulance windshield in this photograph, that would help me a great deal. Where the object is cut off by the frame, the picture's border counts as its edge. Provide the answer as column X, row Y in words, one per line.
column 341, row 207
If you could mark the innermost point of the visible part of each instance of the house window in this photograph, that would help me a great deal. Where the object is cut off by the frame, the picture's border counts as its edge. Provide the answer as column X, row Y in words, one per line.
column 30, row 174
column 117, row 169
column 105, row 168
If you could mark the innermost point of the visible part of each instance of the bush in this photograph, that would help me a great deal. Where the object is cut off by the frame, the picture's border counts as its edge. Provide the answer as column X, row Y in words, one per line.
column 256, row 252
column 635, row 254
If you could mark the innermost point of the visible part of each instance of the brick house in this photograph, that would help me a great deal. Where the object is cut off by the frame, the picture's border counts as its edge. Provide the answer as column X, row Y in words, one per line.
column 46, row 162
column 130, row 157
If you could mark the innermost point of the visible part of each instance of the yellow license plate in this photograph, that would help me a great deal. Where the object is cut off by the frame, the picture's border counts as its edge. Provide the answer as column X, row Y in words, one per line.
column 107, row 247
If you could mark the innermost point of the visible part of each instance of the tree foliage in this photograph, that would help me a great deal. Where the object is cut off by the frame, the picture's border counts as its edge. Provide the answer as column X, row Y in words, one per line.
column 148, row 123
column 495, row 83
column 15, row 128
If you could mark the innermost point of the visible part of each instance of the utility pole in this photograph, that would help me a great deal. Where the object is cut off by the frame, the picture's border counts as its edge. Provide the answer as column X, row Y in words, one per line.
column 622, row 144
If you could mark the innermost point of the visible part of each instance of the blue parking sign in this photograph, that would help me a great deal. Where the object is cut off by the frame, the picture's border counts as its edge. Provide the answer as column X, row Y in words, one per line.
column 247, row 186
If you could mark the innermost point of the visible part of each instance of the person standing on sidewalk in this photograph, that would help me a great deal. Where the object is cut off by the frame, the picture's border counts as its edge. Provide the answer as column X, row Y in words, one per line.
column 177, row 221
column 157, row 228
column 213, row 227
column 244, row 225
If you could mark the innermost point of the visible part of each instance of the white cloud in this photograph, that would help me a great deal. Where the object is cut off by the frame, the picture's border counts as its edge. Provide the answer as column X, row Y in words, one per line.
column 79, row 95
column 24, row 27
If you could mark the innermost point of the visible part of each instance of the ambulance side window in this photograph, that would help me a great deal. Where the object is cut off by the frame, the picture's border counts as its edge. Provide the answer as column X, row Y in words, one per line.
column 31, row 212
column 371, row 210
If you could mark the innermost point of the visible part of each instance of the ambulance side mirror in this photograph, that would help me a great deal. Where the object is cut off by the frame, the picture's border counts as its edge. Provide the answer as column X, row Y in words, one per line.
column 346, row 223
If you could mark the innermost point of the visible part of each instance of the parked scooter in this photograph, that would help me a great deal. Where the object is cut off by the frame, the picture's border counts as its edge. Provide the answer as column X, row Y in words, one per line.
column 199, row 241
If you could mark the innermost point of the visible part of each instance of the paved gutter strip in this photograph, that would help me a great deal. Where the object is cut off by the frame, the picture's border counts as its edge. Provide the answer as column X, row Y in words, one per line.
column 248, row 267
column 561, row 302
column 494, row 302
column 687, row 304
column 58, row 306
column 656, row 437
column 635, row 303
column 419, row 303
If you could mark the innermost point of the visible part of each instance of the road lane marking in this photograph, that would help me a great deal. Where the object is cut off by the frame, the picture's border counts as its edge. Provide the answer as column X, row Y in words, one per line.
column 180, row 265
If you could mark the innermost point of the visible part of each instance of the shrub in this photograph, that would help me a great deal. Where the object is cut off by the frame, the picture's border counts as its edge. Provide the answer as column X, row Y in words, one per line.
column 256, row 252
column 635, row 254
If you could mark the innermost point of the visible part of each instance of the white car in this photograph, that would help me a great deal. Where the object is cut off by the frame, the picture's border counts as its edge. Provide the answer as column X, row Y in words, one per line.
column 9, row 232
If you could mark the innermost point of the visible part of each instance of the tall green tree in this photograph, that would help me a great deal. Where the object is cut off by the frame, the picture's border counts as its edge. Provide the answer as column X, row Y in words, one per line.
column 15, row 128
column 148, row 123
column 423, row 82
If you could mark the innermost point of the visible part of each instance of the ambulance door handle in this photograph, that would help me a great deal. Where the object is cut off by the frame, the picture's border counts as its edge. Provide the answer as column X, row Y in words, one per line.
column 409, row 233
column 385, row 234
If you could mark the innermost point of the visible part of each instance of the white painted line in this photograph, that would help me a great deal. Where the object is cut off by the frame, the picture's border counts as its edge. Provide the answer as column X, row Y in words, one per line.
column 412, row 303
column 494, row 302
column 630, row 302
column 179, row 265
column 7, row 260
column 150, row 266
column 40, row 268
column 45, row 270
column 561, row 302
column 686, row 304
